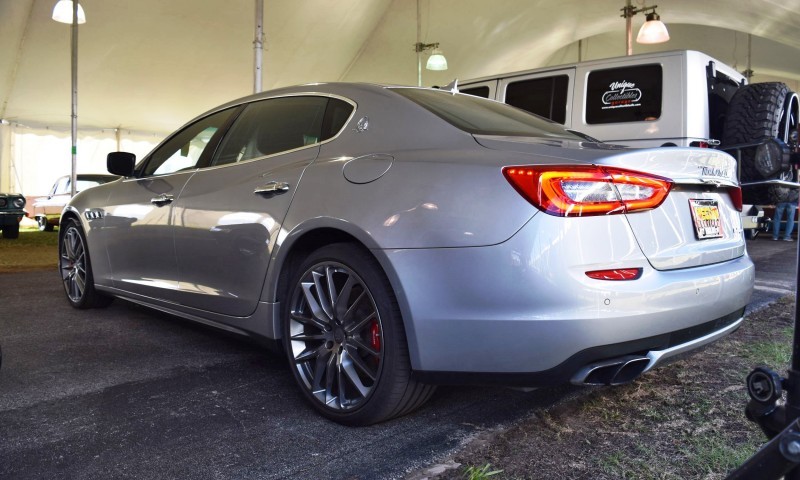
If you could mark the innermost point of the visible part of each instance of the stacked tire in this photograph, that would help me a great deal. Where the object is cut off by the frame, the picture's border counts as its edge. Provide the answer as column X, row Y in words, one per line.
column 756, row 113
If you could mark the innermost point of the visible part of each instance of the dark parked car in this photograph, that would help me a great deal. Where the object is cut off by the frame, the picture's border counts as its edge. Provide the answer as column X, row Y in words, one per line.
column 11, row 212
column 47, row 209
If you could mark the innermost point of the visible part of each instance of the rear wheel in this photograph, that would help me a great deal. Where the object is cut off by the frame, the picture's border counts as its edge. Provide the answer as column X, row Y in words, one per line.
column 344, row 336
column 76, row 268
column 11, row 231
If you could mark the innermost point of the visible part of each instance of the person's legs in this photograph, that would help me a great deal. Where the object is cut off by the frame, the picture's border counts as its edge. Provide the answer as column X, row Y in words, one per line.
column 789, row 221
column 776, row 222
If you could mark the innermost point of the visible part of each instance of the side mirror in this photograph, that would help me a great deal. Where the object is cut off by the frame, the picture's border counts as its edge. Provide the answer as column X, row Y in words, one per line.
column 121, row 163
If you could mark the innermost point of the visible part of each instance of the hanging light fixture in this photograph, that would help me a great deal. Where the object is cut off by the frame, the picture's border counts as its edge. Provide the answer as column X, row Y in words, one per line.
column 62, row 12
column 653, row 30
column 436, row 61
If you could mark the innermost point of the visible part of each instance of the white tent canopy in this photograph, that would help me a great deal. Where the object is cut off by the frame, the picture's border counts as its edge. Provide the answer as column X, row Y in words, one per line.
column 148, row 66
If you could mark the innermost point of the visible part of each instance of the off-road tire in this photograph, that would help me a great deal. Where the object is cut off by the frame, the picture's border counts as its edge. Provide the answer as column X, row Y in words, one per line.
column 754, row 115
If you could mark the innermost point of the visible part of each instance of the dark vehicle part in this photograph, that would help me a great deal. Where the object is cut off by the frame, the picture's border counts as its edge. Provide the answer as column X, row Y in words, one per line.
column 758, row 113
column 779, row 421
column 11, row 213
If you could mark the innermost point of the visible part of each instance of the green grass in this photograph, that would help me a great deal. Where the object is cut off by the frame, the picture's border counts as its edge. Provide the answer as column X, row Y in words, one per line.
column 33, row 250
column 712, row 452
column 480, row 473
column 773, row 354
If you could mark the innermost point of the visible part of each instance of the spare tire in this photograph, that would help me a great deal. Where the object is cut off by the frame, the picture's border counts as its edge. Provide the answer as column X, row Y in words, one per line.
column 755, row 114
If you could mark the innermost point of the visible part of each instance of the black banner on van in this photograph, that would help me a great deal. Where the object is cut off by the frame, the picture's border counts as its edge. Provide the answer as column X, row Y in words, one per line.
column 628, row 94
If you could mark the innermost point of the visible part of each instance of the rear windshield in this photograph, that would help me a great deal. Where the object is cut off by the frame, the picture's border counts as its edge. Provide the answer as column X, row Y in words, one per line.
column 478, row 116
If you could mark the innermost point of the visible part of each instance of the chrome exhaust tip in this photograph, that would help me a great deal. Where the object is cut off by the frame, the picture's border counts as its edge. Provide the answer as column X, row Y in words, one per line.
column 614, row 371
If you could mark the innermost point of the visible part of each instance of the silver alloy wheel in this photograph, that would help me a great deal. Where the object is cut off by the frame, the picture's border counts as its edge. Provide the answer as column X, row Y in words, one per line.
column 335, row 336
column 72, row 263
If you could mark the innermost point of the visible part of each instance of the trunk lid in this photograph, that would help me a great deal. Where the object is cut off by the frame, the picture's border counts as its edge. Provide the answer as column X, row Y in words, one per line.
column 696, row 225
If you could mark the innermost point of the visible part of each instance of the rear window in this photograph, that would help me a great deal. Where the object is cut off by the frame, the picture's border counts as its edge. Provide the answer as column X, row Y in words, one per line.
column 619, row 95
column 479, row 116
column 476, row 91
column 546, row 96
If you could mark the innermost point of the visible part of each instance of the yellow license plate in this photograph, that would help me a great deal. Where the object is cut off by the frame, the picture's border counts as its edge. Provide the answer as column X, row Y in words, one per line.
column 707, row 220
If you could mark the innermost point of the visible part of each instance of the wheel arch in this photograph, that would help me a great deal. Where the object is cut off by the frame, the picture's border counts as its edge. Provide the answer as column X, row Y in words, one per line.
column 315, row 234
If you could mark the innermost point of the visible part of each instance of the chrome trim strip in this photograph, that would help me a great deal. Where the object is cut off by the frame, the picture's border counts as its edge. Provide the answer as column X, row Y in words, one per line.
column 658, row 356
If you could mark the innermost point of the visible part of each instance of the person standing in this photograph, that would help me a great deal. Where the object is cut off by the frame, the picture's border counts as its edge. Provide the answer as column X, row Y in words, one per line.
column 786, row 202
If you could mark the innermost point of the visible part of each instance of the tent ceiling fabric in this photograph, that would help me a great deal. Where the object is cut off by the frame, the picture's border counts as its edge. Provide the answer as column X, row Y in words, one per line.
column 151, row 65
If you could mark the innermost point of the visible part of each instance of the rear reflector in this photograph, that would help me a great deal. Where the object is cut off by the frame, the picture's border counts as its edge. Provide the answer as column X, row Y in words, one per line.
column 616, row 274
column 582, row 190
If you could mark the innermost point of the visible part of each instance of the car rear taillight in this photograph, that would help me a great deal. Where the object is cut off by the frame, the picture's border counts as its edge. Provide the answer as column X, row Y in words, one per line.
column 582, row 190
column 616, row 274
column 736, row 197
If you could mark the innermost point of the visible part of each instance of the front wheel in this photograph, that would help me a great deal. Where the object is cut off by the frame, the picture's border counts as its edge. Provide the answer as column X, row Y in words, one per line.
column 76, row 268
column 344, row 336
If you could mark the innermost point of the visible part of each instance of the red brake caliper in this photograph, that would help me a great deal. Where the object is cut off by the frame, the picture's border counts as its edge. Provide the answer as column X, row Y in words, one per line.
column 375, row 336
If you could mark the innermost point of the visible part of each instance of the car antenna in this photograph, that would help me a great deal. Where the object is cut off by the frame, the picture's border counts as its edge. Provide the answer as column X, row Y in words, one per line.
column 452, row 87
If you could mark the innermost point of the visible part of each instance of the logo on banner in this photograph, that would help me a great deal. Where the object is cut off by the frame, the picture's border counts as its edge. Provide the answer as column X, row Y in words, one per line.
column 622, row 94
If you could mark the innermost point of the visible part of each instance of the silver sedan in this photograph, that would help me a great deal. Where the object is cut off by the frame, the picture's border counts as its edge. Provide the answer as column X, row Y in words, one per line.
column 389, row 239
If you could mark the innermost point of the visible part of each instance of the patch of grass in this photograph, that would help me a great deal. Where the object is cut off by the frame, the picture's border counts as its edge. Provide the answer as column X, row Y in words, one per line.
column 769, row 353
column 33, row 250
column 621, row 466
column 480, row 473
column 713, row 452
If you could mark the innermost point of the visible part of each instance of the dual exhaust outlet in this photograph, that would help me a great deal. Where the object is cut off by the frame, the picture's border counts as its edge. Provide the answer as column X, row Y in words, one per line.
column 614, row 371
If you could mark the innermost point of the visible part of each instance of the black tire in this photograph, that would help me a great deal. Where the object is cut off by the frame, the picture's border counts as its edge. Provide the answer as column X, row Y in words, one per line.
column 755, row 114
column 345, row 340
column 75, row 267
column 11, row 231
column 751, row 233
column 44, row 225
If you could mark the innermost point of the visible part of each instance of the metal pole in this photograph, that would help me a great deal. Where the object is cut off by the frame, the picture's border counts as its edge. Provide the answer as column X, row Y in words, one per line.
column 628, row 28
column 74, row 119
column 419, row 42
column 258, row 46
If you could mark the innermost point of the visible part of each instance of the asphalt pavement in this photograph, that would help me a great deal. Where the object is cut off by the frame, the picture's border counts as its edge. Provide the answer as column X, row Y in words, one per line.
column 127, row 392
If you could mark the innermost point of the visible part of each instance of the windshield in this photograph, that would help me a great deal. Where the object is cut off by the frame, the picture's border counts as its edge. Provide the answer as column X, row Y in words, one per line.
column 479, row 116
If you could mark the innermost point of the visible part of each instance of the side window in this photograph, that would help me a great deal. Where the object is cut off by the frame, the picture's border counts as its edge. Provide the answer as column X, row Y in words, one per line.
column 184, row 149
column 546, row 96
column 273, row 126
column 336, row 115
column 61, row 187
column 629, row 94
column 482, row 91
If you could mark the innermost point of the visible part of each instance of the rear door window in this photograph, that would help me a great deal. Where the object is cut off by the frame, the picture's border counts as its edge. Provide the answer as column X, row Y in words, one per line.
column 282, row 124
column 628, row 94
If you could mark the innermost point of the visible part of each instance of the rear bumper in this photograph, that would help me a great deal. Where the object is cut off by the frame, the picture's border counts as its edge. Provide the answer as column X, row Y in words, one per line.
column 656, row 349
column 524, row 312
